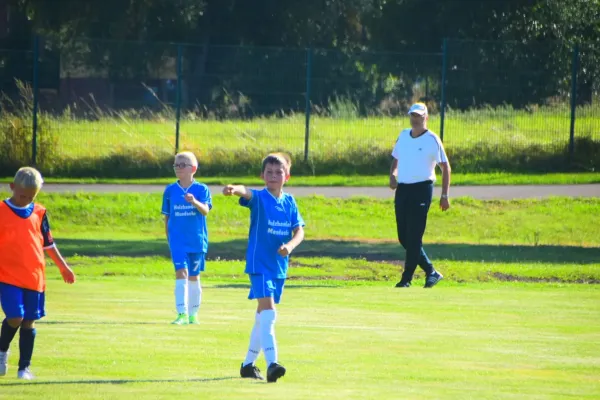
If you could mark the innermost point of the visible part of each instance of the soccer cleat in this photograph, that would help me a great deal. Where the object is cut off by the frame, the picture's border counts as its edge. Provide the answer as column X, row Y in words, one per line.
column 250, row 371
column 194, row 320
column 25, row 374
column 3, row 362
column 433, row 279
column 182, row 319
column 403, row 284
column 274, row 372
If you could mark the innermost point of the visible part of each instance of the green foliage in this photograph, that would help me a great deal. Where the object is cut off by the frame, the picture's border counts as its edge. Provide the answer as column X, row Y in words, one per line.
column 16, row 138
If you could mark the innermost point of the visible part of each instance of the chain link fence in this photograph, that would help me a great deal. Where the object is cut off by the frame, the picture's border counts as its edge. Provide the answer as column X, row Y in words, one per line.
column 108, row 108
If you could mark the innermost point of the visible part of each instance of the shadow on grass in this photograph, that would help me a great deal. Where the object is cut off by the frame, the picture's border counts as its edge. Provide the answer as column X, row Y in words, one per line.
column 99, row 323
column 118, row 381
column 386, row 252
column 288, row 285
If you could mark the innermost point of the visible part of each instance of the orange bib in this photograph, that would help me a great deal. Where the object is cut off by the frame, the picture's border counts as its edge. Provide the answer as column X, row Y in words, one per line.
column 22, row 261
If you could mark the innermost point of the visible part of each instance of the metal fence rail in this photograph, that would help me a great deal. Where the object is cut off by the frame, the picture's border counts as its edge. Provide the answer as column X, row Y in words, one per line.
column 496, row 102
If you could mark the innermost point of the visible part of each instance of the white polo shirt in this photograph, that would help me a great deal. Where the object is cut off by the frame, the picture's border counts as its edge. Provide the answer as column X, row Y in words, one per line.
column 417, row 157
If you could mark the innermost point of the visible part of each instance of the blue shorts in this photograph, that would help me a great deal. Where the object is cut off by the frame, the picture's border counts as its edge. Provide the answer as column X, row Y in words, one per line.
column 194, row 262
column 265, row 286
column 22, row 303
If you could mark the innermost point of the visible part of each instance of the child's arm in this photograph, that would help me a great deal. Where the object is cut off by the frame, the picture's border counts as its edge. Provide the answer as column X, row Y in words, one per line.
column 66, row 272
column 297, row 238
column 167, row 226
column 237, row 190
column 203, row 208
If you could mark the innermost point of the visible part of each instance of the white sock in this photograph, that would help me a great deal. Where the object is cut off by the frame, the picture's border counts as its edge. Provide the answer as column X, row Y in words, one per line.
column 194, row 297
column 254, row 347
column 181, row 295
column 267, row 335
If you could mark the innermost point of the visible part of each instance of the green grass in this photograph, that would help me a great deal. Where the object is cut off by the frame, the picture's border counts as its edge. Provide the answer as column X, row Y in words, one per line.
column 502, row 127
column 494, row 178
column 120, row 145
column 110, row 338
column 515, row 317
column 552, row 222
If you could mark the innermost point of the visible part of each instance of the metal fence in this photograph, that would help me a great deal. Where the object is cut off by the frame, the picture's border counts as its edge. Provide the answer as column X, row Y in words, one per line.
column 496, row 105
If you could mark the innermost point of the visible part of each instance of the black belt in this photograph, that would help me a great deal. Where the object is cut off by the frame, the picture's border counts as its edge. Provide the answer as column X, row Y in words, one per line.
column 427, row 182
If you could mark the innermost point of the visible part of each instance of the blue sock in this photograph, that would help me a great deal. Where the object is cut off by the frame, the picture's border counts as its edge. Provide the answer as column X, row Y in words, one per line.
column 26, row 340
column 7, row 333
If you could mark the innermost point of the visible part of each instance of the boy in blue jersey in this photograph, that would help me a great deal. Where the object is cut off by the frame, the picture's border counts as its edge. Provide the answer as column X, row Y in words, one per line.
column 186, row 203
column 276, row 228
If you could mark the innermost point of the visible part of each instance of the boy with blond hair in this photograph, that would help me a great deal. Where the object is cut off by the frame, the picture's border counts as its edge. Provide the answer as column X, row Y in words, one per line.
column 276, row 229
column 24, row 236
column 186, row 203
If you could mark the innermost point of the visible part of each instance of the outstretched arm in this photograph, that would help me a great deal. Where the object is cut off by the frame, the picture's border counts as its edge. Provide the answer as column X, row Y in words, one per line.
column 237, row 190
column 66, row 272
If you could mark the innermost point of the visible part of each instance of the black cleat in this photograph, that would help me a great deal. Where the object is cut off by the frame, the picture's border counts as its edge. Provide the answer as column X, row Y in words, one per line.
column 403, row 284
column 250, row 371
column 433, row 279
column 274, row 372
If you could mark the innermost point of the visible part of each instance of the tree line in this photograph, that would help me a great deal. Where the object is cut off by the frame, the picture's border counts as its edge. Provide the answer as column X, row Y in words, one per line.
column 528, row 43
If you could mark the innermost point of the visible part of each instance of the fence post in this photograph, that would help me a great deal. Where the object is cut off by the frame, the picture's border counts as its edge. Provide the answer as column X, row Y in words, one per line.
column 178, row 96
column 34, row 111
column 307, row 106
column 443, row 88
column 574, row 69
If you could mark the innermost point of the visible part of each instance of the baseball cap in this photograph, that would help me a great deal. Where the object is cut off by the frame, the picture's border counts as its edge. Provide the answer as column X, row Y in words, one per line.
column 418, row 108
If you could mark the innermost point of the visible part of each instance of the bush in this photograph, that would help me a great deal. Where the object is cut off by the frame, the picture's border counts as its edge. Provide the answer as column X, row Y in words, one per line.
column 16, row 138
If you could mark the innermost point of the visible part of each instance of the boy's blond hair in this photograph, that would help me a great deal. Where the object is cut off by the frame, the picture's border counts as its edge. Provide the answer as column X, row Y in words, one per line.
column 278, row 158
column 28, row 178
column 189, row 156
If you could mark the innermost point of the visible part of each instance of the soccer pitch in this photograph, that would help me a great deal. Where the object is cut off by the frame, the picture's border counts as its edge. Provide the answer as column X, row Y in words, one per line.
column 516, row 316
column 110, row 338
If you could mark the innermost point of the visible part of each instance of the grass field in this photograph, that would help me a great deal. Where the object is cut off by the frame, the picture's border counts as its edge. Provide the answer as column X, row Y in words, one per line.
column 108, row 338
column 517, row 315
column 503, row 128
column 121, row 145
column 359, row 180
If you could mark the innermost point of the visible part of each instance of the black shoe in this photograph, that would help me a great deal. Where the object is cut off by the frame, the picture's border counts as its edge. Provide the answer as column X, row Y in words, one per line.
column 250, row 371
column 433, row 279
column 403, row 284
column 274, row 372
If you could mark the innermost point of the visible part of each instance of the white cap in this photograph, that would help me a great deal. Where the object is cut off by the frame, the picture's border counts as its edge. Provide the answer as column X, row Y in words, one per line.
column 418, row 108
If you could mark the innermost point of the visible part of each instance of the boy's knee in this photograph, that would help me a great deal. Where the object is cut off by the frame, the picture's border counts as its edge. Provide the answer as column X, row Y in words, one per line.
column 14, row 322
column 27, row 324
column 181, row 273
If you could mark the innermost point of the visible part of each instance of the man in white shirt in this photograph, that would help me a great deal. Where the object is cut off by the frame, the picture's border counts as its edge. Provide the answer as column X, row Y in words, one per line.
column 416, row 153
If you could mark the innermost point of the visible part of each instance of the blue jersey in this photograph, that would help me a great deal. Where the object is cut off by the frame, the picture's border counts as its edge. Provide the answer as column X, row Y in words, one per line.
column 187, row 226
column 272, row 222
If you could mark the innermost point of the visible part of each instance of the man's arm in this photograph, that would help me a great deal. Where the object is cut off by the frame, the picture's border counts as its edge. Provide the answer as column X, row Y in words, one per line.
column 446, row 172
column 393, row 172
column 237, row 190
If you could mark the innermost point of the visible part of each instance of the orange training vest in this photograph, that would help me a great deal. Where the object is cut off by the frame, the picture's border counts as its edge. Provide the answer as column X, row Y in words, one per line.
column 22, row 261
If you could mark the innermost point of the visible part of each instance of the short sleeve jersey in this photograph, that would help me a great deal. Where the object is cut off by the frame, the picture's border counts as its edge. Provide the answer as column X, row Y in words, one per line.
column 272, row 222
column 187, row 226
